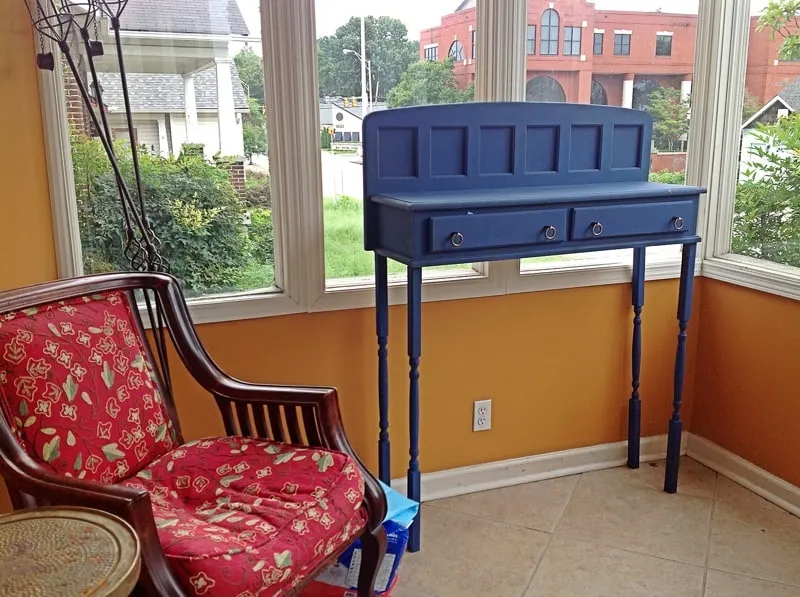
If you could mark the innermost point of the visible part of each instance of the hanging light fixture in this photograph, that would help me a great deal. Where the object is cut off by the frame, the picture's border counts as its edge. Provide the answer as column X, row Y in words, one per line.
column 58, row 20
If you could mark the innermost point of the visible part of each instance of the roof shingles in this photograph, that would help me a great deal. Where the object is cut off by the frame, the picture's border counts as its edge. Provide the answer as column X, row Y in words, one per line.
column 164, row 92
column 204, row 17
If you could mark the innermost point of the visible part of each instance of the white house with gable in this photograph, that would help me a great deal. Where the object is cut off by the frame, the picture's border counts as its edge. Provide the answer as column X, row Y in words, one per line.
column 183, row 83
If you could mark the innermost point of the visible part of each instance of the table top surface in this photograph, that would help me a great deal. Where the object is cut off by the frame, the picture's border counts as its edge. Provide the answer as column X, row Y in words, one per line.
column 529, row 196
column 67, row 551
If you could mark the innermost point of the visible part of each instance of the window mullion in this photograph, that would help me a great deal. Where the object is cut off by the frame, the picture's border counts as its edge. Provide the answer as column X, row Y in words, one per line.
column 500, row 75
column 721, row 57
column 290, row 75
column 66, row 229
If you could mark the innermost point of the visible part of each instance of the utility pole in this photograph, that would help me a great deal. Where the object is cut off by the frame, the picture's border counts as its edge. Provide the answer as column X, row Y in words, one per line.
column 364, row 98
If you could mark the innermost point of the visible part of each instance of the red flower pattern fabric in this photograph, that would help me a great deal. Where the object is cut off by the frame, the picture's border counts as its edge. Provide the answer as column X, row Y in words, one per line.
column 79, row 390
column 240, row 517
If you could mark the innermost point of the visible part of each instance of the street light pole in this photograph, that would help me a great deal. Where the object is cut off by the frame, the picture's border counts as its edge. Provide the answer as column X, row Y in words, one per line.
column 366, row 92
column 364, row 98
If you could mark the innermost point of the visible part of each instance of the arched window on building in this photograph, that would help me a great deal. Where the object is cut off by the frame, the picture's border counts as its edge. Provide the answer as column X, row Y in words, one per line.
column 550, row 25
column 544, row 89
column 456, row 51
column 599, row 96
column 642, row 88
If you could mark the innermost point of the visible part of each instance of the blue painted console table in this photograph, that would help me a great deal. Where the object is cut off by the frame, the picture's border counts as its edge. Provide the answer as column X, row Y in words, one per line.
column 487, row 181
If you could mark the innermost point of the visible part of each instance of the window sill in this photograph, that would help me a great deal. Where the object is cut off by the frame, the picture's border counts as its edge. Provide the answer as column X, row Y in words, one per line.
column 764, row 276
column 235, row 307
column 441, row 286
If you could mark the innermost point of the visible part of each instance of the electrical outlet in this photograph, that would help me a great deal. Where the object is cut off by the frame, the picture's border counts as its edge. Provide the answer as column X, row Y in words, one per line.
column 482, row 415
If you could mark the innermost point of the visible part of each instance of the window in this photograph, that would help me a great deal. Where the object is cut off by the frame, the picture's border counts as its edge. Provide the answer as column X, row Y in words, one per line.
column 550, row 26
column 201, row 143
column 598, row 44
column 432, row 53
column 556, row 81
column 456, row 51
column 572, row 41
column 622, row 44
column 530, row 40
column 761, row 210
column 663, row 45
column 398, row 81
column 474, row 44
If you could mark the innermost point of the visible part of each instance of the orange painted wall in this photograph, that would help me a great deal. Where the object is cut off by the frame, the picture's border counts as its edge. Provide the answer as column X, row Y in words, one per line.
column 26, row 237
column 748, row 381
column 555, row 363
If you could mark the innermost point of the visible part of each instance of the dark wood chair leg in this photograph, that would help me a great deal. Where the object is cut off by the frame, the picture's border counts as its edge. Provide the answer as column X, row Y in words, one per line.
column 373, row 549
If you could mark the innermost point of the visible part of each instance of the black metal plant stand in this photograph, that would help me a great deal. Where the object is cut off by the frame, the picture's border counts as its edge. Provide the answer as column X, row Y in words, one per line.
column 58, row 20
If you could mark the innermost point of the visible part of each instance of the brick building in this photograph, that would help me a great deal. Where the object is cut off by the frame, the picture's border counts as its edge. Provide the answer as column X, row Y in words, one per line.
column 577, row 53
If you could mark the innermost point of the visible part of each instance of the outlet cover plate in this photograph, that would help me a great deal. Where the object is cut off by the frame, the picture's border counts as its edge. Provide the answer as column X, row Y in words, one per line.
column 482, row 415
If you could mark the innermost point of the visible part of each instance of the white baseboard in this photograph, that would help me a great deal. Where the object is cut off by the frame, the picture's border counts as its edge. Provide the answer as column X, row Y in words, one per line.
column 745, row 473
column 505, row 473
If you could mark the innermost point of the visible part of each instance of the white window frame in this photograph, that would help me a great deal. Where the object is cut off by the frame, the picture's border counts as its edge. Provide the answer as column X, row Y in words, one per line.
column 733, row 28
column 289, row 43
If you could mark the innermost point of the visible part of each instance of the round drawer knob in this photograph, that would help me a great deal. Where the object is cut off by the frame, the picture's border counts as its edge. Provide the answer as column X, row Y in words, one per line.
column 597, row 229
column 550, row 232
column 456, row 239
column 678, row 223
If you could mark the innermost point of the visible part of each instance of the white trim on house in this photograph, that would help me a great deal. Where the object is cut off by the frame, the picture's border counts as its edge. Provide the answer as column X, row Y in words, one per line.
column 428, row 46
column 508, row 473
column 623, row 32
column 599, row 30
column 764, row 108
column 665, row 33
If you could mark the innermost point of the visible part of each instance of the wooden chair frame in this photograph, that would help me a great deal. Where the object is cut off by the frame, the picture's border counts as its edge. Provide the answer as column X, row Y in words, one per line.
column 319, row 425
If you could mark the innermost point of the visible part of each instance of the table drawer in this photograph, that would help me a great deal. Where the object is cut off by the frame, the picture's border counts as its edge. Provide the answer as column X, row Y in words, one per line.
column 677, row 217
column 466, row 232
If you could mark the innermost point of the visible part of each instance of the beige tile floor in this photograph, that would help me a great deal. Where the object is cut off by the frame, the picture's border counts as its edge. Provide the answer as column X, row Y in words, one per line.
column 611, row 533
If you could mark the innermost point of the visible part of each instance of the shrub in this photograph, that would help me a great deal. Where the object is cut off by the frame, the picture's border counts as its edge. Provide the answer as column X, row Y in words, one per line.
column 260, row 236
column 325, row 139
column 667, row 177
column 192, row 207
column 257, row 190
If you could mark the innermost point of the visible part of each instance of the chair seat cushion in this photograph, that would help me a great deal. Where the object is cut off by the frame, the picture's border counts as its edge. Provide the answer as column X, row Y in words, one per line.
column 243, row 517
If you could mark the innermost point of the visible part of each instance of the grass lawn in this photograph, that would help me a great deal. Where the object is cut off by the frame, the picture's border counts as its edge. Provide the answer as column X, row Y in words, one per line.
column 345, row 256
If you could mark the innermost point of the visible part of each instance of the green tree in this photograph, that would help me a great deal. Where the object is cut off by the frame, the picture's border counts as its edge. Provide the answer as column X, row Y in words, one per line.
column 766, row 222
column 387, row 48
column 251, row 73
column 429, row 82
column 750, row 106
column 254, row 130
column 781, row 17
column 670, row 117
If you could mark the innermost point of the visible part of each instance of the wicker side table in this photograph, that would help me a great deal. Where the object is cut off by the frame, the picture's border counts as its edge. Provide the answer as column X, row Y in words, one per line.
column 67, row 552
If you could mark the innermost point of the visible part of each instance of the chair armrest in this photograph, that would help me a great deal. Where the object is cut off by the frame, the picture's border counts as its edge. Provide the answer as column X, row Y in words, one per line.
column 128, row 503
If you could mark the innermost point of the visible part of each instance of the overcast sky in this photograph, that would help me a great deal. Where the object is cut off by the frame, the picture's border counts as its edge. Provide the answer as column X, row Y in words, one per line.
column 421, row 14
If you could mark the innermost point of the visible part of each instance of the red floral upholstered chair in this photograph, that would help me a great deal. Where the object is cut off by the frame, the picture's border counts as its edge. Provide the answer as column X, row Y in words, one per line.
column 88, row 419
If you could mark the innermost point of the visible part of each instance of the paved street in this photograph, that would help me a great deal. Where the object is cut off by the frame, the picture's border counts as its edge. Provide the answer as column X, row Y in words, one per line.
column 341, row 174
